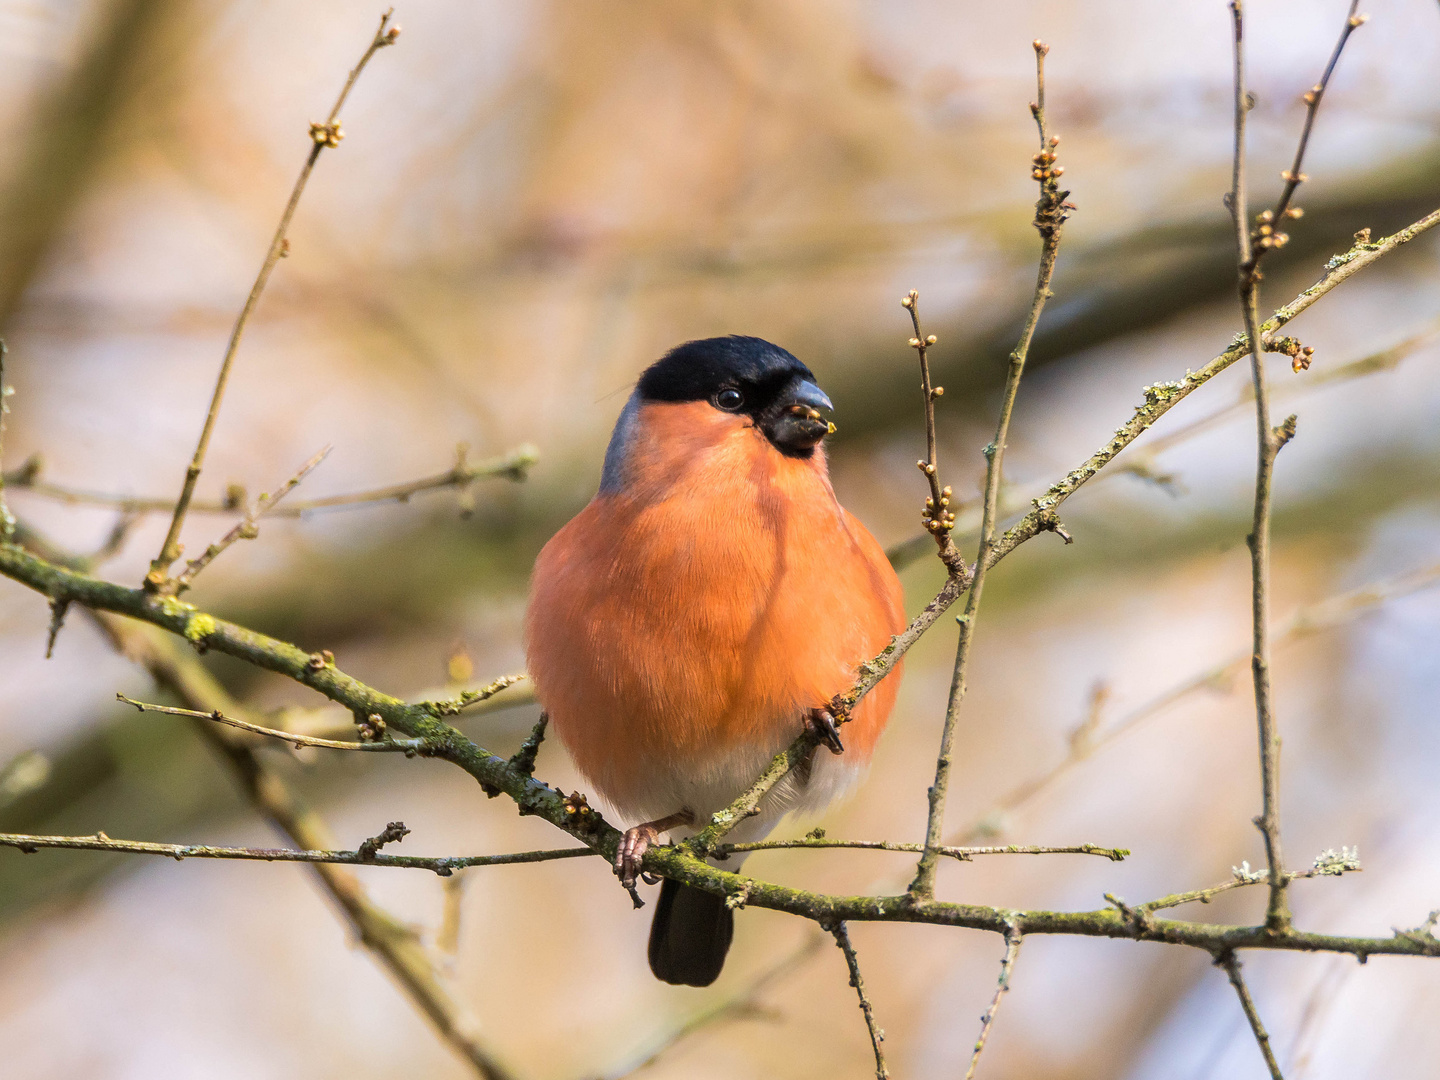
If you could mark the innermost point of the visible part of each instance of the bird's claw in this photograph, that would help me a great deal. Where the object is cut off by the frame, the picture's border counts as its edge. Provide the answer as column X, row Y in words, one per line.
column 821, row 724
column 631, row 851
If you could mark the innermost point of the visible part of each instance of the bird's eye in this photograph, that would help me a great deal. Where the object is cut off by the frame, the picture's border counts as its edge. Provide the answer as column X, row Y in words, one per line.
column 729, row 399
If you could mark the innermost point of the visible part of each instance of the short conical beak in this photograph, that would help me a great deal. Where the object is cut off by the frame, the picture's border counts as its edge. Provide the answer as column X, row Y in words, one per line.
column 807, row 393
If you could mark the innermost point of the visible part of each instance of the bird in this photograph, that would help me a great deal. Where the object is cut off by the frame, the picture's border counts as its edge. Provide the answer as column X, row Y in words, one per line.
column 702, row 610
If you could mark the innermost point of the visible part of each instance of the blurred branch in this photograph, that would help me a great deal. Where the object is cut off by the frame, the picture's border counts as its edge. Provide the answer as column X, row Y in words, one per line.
column 443, row 866
column 1013, row 939
column 1091, row 736
column 65, row 142
column 877, row 1036
column 7, row 519
column 511, row 465
column 744, row 1003
column 1050, row 215
column 393, row 943
column 322, row 136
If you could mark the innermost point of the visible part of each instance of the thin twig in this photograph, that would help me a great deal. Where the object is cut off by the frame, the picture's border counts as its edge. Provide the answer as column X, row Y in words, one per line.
column 443, row 866
column 1250, row 250
column 963, row 854
column 1013, row 937
column 512, row 465
column 877, row 1036
column 321, row 136
column 1050, row 215
column 1231, row 963
column 388, row 745
column 937, row 516
column 1327, row 864
column 249, row 526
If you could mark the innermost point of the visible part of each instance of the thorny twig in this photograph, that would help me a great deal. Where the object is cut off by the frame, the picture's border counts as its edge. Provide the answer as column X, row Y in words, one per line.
column 1050, row 214
column 1013, row 937
column 322, row 136
column 877, row 1036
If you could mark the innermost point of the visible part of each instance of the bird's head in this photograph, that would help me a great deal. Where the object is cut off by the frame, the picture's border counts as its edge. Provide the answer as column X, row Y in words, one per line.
column 747, row 377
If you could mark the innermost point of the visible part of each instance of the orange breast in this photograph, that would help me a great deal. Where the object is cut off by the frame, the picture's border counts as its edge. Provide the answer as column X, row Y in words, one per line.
column 705, row 605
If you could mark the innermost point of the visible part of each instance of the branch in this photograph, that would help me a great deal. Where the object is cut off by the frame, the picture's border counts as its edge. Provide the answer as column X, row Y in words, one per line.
column 392, row 943
column 363, row 856
column 937, row 517
column 1328, row 863
column 1050, row 215
column 1250, row 250
column 512, row 465
column 963, row 854
column 877, row 1036
column 321, row 136
column 248, row 528
column 1231, row 963
column 409, row 747
column 1007, row 965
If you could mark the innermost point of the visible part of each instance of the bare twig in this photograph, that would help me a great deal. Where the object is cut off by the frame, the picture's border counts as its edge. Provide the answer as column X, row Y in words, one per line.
column 1013, row 937
column 405, row 746
column 963, row 854
column 512, row 465
column 362, row 856
column 323, row 135
column 1050, row 215
column 1250, row 250
column 248, row 527
column 877, row 1036
column 937, row 516
column 1327, row 864
column 1231, row 963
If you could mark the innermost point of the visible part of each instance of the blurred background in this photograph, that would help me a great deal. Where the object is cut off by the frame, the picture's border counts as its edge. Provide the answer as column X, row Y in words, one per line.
column 535, row 200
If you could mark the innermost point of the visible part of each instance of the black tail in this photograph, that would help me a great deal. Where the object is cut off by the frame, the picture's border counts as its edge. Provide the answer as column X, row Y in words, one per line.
column 690, row 935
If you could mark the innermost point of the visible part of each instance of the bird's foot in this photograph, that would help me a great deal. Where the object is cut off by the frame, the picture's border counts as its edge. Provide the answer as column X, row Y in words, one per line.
column 637, row 841
column 821, row 724
column 631, row 851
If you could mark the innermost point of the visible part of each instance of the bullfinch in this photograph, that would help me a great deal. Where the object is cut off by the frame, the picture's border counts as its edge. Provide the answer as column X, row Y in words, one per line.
column 703, row 608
